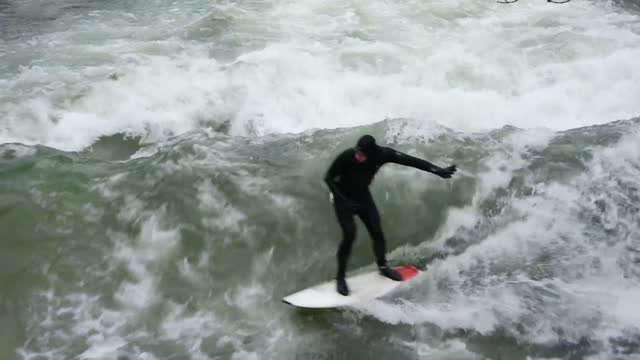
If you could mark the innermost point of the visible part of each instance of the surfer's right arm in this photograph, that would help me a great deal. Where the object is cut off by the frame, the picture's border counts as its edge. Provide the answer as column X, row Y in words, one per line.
column 336, row 170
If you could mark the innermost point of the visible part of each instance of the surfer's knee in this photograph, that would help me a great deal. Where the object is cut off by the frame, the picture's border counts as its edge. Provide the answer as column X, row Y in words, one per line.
column 377, row 235
column 349, row 233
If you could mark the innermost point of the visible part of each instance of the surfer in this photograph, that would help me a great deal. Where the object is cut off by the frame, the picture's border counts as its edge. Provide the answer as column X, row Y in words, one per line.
column 348, row 179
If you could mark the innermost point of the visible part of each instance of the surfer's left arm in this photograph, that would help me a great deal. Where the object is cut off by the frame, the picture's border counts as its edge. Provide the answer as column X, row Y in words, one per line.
column 398, row 157
column 333, row 176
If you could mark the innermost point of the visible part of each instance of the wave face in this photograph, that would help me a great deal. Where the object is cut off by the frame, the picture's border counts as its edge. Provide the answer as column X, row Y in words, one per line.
column 186, row 252
column 161, row 165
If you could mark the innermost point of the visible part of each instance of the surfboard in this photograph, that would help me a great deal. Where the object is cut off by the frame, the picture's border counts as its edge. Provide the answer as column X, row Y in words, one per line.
column 362, row 287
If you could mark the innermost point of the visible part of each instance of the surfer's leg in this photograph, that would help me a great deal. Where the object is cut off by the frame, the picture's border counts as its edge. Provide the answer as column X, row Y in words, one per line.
column 348, row 226
column 368, row 212
column 371, row 219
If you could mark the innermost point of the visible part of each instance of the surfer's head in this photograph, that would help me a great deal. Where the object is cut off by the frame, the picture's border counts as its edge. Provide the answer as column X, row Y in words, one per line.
column 367, row 144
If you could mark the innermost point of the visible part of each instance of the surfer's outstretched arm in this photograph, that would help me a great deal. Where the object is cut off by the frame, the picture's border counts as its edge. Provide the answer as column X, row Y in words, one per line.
column 397, row 157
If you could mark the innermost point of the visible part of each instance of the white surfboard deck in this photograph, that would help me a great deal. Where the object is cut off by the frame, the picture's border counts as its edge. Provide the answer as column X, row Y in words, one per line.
column 362, row 287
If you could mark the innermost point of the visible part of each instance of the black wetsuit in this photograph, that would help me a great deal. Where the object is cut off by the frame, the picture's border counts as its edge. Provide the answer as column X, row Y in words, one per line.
column 349, row 179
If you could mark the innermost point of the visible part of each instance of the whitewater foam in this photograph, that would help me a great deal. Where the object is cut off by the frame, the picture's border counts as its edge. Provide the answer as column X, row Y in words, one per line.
column 554, row 67
column 547, row 276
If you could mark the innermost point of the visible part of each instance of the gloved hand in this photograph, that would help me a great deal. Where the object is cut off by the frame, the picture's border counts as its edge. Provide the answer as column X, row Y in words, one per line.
column 447, row 172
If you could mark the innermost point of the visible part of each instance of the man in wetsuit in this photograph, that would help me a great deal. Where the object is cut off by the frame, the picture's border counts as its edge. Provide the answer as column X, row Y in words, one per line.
column 348, row 179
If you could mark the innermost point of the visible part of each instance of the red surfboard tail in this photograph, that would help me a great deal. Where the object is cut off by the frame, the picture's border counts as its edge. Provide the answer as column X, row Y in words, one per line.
column 406, row 271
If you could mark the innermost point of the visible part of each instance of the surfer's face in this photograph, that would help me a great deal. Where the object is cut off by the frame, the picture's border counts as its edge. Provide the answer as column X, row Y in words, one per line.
column 360, row 156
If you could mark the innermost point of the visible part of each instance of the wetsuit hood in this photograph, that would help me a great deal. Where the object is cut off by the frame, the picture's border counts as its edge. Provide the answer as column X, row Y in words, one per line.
column 367, row 144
